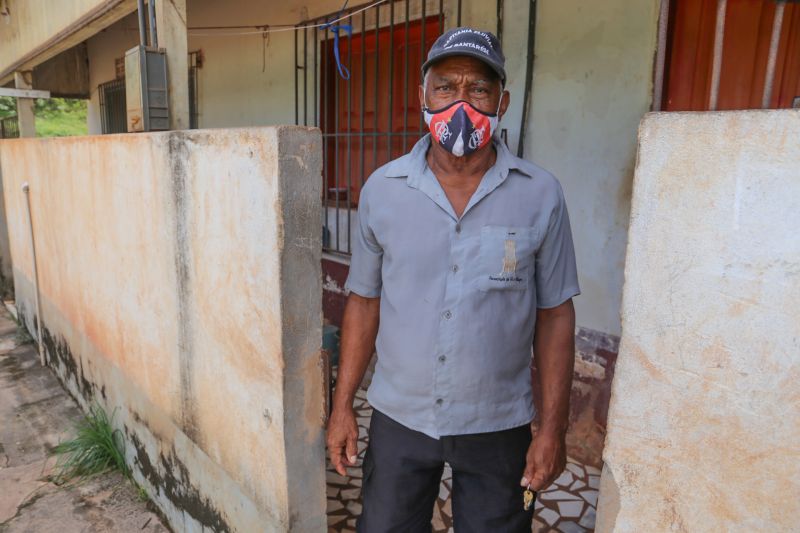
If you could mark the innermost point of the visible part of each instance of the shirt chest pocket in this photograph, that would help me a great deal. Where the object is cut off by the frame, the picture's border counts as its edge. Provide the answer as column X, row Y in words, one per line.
column 506, row 257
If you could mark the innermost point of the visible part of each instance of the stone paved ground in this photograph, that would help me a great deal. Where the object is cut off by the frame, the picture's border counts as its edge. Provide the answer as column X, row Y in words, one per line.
column 35, row 413
column 568, row 506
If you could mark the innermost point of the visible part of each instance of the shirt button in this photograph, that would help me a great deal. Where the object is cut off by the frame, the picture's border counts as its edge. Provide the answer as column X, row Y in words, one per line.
column 447, row 315
column 439, row 401
column 442, row 358
column 458, row 228
column 455, row 268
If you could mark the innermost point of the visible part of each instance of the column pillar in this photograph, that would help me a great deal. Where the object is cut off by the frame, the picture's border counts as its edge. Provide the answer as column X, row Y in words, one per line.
column 171, row 30
column 25, row 116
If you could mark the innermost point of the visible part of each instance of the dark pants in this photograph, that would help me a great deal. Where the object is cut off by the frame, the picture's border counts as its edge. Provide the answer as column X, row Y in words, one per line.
column 403, row 469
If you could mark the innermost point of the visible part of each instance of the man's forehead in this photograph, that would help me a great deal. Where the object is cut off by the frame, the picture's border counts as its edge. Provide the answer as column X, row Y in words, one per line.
column 462, row 66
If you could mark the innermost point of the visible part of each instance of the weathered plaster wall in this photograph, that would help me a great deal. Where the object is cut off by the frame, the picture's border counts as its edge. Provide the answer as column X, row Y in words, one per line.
column 704, row 430
column 180, row 283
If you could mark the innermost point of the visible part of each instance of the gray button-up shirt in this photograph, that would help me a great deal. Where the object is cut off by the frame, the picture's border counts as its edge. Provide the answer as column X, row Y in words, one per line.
column 459, row 295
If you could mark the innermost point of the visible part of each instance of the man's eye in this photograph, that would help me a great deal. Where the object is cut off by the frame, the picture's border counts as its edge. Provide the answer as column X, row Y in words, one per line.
column 443, row 88
column 480, row 90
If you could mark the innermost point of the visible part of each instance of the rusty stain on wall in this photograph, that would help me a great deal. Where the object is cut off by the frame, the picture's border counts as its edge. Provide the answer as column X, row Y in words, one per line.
column 704, row 431
column 180, row 281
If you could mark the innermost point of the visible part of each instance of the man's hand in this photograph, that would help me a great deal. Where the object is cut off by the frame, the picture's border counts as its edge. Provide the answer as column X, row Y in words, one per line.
column 342, row 438
column 546, row 459
column 554, row 352
column 359, row 328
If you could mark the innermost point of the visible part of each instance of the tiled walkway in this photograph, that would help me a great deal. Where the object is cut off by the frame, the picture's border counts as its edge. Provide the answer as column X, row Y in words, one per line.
column 568, row 506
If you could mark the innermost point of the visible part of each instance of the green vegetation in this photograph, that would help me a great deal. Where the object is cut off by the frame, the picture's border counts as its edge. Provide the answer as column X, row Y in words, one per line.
column 95, row 449
column 55, row 117
column 22, row 335
column 8, row 106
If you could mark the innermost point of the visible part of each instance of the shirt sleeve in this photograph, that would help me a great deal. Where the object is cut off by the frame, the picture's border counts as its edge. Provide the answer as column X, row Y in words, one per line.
column 366, row 260
column 556, row 271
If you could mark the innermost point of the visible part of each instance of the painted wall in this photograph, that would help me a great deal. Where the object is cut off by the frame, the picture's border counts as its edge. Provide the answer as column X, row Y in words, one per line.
column 592, row 84
column 179, row 278
column 35, row 30
column 703, row 427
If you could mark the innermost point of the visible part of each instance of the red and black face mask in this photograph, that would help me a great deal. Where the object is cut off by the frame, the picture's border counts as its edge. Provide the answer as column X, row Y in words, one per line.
column 461, row 128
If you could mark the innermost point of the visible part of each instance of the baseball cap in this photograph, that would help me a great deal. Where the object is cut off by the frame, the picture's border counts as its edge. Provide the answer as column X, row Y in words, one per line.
column 472, row 42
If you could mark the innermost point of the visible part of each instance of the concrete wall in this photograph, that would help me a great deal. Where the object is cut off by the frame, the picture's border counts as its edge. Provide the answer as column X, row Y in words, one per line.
column 704, row 425
column 179, row 277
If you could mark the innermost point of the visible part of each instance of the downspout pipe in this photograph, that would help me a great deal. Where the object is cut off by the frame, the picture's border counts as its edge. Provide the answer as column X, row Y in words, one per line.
column 528, row 78
column 142, row 24
column 27, row 190
column 151, row 10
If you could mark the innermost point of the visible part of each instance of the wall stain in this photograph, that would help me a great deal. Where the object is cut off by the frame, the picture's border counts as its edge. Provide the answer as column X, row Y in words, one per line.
column 178, row 156
column 174, row 482
column 172, row 479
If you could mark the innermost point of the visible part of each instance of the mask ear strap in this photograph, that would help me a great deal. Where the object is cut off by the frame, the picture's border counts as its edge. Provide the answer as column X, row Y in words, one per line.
column 502, row 91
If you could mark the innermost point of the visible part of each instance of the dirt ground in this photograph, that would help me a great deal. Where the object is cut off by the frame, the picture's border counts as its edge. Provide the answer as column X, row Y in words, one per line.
column 35, row 414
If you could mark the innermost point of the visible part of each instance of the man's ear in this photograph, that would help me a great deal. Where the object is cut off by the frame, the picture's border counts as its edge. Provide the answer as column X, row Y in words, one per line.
column 421, row 91
column 505, row 101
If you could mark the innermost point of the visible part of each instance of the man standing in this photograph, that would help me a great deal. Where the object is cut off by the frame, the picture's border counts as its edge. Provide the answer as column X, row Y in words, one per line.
column 463, row 254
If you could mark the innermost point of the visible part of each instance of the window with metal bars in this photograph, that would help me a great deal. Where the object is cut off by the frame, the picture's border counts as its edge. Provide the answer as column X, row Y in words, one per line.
column 365, row 102
column 112, row 106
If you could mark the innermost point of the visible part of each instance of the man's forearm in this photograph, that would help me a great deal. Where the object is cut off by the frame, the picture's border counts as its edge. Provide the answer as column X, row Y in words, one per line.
column 554, row 353
column 359, row 329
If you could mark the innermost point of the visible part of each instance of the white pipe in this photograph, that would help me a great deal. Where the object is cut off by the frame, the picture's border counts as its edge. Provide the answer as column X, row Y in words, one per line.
column 719, row 38
column 26, row 189
column 769, row 77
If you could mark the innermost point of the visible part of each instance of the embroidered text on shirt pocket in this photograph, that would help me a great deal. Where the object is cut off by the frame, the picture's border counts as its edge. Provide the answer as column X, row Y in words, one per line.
column 506, row 257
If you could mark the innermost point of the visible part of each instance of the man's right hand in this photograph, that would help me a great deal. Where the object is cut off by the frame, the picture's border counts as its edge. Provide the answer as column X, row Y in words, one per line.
column 342, row 438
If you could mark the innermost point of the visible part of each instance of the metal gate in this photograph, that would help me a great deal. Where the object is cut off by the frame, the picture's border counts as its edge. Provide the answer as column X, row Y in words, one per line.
column 356, row 77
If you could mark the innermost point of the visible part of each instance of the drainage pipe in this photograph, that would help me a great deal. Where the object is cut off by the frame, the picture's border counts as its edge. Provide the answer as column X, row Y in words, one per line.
column 528, row 78
column 142, row 24
column 27, row 190
column 151, row 10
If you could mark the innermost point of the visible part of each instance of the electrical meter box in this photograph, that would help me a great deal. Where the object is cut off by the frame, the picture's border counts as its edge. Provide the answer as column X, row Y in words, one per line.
column 146, row 91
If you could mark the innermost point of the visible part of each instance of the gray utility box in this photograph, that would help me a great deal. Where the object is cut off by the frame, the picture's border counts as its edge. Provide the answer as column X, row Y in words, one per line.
column 146, row 94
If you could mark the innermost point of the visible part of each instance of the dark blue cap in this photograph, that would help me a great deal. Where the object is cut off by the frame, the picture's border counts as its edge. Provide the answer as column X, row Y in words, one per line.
column 471, row 42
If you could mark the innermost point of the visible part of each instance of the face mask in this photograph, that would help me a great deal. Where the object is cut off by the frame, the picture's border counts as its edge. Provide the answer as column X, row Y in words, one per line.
column 461, row 128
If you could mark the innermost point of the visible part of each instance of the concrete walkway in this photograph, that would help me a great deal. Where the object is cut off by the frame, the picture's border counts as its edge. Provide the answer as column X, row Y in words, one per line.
column 35, row 413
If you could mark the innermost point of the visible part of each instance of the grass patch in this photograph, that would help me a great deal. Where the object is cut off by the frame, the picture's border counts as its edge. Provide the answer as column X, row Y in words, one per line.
column 95, row 449
column 55, row 117
column 60, row 117
column 22, row 336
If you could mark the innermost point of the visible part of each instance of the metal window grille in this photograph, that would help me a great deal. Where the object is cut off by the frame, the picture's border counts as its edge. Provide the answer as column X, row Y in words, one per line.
column 9, row 127
column 112, row 107
column 374, row 116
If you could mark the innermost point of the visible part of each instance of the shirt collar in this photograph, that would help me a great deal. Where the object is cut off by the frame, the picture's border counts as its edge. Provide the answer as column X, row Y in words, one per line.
column 413, row 164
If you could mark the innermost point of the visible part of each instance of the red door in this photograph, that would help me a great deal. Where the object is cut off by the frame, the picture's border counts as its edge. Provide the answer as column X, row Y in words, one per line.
column 374, row 116
column 745, row 50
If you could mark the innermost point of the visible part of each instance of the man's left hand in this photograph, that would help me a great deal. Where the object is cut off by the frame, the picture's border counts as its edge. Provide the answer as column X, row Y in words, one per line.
column 546, row 459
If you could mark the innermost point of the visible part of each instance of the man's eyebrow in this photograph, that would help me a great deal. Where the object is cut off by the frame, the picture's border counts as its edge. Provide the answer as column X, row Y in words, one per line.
column 441, row 78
